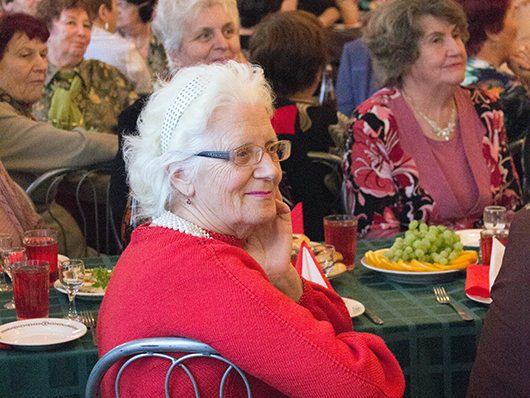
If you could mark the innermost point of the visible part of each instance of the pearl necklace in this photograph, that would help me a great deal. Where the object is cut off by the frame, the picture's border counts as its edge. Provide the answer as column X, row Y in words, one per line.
column 440, row 132
column 172, row 221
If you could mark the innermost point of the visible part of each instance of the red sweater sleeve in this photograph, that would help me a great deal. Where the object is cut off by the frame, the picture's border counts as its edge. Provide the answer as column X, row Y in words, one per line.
column 176, row 285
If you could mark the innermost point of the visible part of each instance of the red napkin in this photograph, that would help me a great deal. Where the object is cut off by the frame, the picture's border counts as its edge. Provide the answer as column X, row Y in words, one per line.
column 307, row 266
column 297, row 219
column 478, row 280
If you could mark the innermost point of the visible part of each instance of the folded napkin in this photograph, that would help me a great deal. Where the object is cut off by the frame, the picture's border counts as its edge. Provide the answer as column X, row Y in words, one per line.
column 307, row 266
column 480, row 278
column 297, row 219
column 497, row 254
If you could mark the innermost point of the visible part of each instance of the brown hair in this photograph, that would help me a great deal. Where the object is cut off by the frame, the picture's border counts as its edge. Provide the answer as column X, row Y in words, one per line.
column 291, row 47
column 94, row 5
column 50, row 10
column 394, row 31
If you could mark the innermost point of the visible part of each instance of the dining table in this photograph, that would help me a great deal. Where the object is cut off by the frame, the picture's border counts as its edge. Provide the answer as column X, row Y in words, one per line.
column 433, row 345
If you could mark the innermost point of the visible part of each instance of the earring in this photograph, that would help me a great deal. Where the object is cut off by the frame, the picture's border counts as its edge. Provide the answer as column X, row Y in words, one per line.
column 188, row 201
column 106, row 26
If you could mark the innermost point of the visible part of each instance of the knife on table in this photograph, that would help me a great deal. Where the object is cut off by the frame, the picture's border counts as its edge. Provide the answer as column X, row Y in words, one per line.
column 374, row 318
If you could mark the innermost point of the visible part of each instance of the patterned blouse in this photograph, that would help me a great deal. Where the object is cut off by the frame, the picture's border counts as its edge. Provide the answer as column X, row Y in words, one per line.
column 504, row 86
column 105, row 92
column 383, row 181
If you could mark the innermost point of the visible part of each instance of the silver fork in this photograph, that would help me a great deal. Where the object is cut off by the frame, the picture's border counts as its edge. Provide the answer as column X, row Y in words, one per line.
column 443, row 298
column 91, row 325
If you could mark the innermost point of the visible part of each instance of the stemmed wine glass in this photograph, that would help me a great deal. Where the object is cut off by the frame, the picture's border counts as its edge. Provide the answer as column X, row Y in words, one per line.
column 72, row 277
column 10, row 257
column 495, row 217
column 5, row 245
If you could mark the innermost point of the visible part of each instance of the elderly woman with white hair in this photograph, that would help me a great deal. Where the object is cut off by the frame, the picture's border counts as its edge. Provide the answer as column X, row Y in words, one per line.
column 192, row 32
column 214, row 263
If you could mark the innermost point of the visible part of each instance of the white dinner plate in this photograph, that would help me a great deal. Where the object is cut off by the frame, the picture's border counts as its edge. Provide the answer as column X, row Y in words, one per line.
column 469, row 237
column 354, row 307
column 62, row 258
column 40, row 332
column 81, row 295
column 478, row 299
column 416, row 277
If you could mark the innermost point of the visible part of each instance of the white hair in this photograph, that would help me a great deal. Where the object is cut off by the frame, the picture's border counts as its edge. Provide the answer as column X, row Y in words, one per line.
column 173, row 16
column 149, row 170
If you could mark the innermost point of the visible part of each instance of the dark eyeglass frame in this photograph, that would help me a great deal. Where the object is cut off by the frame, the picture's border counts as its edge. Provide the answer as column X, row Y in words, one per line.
column 231, row 155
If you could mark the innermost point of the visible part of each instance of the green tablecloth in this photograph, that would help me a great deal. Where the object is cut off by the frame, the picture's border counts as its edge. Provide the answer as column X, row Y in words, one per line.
column 433, row 345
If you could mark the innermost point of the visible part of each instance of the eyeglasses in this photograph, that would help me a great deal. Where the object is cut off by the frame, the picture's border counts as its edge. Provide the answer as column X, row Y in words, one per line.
column 249, row 155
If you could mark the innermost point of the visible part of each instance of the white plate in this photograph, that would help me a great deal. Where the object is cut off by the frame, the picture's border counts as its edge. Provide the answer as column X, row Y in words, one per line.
column 416, row 277
column 62, row 258
column 81, row 295
column 354, row 307
column 40, row 332
column 478, row 299
column 469, row 237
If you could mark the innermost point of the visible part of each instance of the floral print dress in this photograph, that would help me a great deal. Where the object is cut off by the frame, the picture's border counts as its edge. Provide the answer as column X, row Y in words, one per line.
column 505, row 87
column 382, row 180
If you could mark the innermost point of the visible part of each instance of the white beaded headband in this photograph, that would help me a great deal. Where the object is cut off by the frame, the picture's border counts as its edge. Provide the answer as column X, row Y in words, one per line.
column 189, row 93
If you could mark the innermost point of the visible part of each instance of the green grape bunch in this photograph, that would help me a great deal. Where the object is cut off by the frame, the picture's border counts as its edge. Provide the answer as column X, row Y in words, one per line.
column 430, row 244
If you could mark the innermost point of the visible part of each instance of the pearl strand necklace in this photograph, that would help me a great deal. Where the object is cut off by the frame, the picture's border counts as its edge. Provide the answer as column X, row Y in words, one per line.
column 440, row 132
column 172, row 221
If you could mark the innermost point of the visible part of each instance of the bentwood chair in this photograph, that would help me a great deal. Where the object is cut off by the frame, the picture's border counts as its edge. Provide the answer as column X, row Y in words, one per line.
column 86, row 195
column 158, row 347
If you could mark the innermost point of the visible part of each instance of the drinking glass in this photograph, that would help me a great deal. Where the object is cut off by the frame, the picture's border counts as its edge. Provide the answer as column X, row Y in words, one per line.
column 5, row 244
column 30, row 288
column 12, row 256
column 72, row 277
column 340, row 230
column 495, row 217
column 41, row 244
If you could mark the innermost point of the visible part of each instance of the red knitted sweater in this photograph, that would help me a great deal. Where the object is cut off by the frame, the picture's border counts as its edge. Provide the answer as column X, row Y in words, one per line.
column 167, row 283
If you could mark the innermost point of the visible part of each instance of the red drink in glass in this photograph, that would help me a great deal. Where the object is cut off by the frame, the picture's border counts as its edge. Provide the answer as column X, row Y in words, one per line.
column 30, row 288
column 41, row 244
column 486, row 243
column 340, row 230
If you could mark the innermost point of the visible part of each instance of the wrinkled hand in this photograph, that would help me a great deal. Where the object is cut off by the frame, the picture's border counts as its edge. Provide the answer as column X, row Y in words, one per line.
column 270, row 245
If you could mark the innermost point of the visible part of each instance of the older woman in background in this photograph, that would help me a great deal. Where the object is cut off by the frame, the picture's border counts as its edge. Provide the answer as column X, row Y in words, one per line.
column 29, row 148
column 208, row 175
column 493, row 30
column 78, row 92
column 294, row 68
column 423, row 147
column 192, row 32
column 108, row 46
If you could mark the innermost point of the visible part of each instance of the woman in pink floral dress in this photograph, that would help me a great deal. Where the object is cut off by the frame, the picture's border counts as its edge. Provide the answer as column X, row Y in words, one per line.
column 423, row 147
